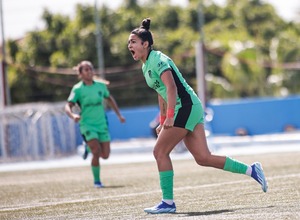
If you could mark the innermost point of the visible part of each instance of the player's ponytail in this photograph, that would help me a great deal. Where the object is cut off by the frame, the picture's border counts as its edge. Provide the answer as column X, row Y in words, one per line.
column 143, row 32
column 146, row 24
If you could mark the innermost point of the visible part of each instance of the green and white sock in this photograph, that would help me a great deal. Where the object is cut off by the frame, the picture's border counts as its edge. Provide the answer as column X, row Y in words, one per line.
column 166, row 185
column 88, row 149
column 235, row 166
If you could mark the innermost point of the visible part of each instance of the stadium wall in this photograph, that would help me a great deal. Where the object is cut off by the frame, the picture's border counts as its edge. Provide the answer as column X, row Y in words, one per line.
column 256, row 116
column 42, row 130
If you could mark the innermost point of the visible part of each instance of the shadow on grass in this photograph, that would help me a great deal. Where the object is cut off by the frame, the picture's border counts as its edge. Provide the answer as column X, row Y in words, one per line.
column 213, row 212
column 204, row 213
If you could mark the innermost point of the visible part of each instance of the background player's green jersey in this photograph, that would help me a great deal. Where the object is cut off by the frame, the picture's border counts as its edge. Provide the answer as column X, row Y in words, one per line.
column 155, row 65
column 90, row 100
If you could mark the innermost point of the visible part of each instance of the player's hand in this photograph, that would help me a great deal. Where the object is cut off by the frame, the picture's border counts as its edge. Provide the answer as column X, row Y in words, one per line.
column 122, row 119
column 76, row 117
column 158, row 129
column 169, row 122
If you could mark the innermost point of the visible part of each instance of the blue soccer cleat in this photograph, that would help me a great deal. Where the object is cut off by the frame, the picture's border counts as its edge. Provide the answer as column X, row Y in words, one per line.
column 259, row 176
column 161, row 208
column 98, row 184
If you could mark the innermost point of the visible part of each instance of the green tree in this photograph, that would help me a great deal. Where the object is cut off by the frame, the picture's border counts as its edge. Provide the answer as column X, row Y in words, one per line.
column 249, row 50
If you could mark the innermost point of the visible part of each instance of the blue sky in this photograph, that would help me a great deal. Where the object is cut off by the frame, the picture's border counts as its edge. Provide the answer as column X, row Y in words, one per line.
column 20, row 16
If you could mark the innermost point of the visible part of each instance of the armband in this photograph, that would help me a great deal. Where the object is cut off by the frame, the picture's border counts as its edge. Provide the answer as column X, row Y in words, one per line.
column 162, row 119
column 170, row 113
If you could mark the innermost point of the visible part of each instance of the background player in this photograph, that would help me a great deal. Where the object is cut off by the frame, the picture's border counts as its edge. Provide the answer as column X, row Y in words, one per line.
column 89, row 95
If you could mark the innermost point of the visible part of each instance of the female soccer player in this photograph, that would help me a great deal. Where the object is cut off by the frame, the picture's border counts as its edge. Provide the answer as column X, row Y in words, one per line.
column 181, row 118
column 89, row 94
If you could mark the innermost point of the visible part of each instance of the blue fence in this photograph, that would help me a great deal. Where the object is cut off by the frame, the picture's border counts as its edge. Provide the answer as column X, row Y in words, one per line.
column 137, row 122
column 257, row 116
column 49, row 133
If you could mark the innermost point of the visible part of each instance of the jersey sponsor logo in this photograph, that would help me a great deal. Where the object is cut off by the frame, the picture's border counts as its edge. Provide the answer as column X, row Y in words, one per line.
column 161, row 65
column 93, row 104
column 156, row 84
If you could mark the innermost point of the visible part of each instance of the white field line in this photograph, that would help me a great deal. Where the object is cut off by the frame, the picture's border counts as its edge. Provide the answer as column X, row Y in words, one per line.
column 22, row 207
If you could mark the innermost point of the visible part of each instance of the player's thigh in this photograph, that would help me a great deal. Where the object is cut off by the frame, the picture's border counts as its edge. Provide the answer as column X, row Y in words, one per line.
column 168, row 139
column 94, row 146
column 105, row 149
column 196, row 142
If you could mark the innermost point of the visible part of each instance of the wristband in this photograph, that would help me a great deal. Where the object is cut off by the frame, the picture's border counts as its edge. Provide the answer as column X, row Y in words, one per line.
column 162, row 119
column 170, row 113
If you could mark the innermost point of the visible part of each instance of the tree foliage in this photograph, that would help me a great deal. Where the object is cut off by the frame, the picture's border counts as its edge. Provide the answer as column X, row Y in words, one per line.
column 250, row 51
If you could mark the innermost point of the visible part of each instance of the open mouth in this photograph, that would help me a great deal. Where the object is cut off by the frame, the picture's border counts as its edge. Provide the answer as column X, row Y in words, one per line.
column 132, row 52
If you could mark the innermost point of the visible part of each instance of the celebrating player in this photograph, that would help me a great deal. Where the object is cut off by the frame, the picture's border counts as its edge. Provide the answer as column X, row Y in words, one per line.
column 89, row 95
column 181, row 118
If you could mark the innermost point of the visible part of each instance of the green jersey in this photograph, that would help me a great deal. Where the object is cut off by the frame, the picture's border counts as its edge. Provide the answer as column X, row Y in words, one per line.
column 90, row 100
column 155, row 65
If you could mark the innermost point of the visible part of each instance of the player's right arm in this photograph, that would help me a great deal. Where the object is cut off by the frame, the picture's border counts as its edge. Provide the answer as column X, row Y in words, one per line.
column 70, row 113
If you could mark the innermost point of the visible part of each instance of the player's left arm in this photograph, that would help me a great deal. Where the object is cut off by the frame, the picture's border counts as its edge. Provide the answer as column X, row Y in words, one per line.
column 113, row 104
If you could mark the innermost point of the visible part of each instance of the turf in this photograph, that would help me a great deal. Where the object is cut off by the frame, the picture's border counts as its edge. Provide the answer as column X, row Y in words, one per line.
column 200, row 192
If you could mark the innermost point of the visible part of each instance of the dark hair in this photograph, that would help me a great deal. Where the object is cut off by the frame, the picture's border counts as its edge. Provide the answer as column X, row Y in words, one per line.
column 83, row 63
column 143, row 32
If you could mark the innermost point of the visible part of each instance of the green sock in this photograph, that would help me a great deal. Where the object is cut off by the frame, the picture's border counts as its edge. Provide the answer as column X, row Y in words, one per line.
column 166, row 183
column 235, row 166
column 96, row 173
column 88, row 149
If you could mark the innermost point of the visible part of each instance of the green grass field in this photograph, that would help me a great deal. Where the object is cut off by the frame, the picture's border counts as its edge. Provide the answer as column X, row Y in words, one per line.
column 200, row 192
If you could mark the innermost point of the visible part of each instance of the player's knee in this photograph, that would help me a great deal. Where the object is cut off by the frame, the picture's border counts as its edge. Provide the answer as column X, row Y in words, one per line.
column 104, row 156
column 96, row 154
column 203, row 160
column 155, row 154
column 159, row 154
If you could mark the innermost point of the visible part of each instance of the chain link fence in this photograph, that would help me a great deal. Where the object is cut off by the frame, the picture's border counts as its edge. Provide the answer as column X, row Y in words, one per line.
column 37, row 131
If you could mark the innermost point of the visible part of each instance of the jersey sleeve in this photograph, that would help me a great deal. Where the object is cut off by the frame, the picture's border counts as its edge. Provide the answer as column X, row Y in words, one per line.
column 106, row 92
column 161, row 64
column 73, row 97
